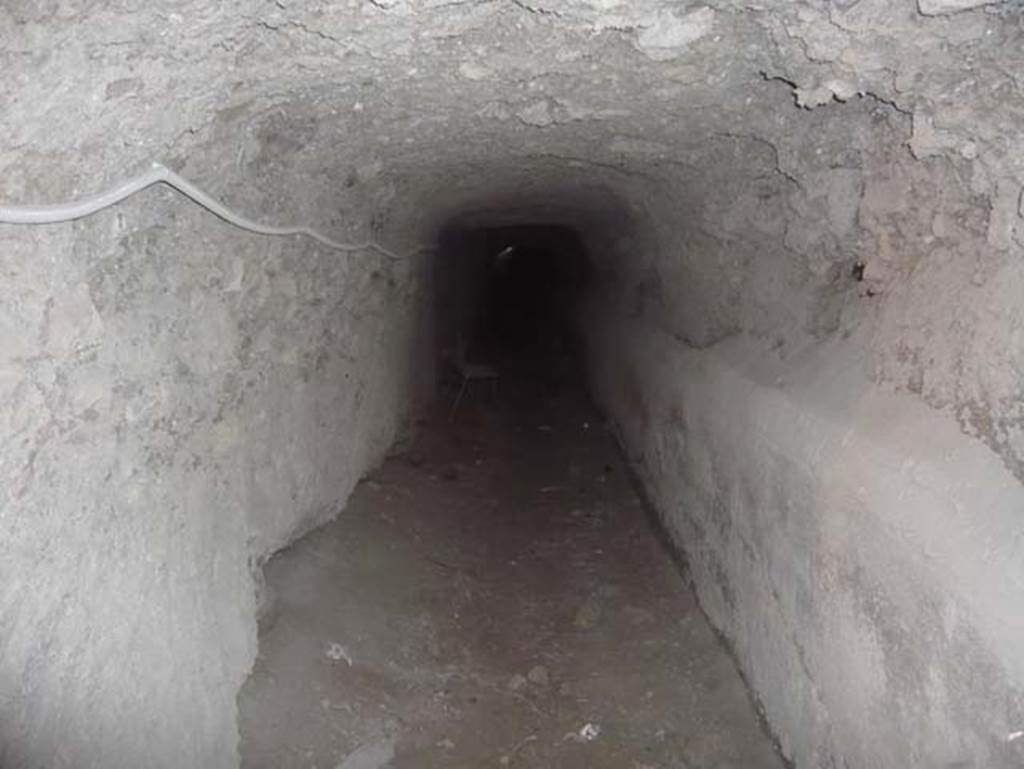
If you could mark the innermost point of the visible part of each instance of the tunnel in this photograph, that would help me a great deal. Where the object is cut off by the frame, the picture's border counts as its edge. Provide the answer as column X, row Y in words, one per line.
column 510, row 294
column 512, row 383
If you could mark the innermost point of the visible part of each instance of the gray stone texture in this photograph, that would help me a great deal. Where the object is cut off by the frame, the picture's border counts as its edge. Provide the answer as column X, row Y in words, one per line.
column 805, row 322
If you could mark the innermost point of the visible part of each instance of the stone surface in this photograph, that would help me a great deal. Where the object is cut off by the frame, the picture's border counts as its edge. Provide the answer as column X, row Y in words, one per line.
column 835, row 533
column 179, row 399
column 942, row 7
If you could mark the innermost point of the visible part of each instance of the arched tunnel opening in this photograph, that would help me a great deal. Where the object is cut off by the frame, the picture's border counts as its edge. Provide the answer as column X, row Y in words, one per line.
column 510, row 294
column 416, row 384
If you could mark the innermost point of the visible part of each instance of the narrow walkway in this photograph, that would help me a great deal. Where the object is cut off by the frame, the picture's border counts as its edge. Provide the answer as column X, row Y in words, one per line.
column 497, row 596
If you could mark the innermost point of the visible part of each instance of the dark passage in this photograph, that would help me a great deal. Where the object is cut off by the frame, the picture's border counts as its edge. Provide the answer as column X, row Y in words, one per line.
column 508, row 298
column 496, row 595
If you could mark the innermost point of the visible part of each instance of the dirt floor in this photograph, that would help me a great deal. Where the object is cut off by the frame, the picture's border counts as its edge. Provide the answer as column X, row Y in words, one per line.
column 495, row 596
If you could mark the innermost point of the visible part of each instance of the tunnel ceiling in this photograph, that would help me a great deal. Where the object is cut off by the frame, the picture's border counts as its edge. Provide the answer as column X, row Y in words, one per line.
column 329, row 97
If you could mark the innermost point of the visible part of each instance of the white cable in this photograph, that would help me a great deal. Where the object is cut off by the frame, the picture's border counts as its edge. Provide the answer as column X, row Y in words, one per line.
column 158, row 174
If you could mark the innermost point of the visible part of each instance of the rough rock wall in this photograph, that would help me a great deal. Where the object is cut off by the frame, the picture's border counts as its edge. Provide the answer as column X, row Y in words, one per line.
column 942, row 214
column 856, row 548
column 834, row 534
column 178, row 401
column 766, row 353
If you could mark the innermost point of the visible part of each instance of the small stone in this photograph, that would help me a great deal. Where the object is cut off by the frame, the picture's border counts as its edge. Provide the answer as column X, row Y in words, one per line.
column 667, row 35
column 587, row 733
column 337, row 652
column 539, row 675
column 473, row 71
column 537, row 114
column 516, row 682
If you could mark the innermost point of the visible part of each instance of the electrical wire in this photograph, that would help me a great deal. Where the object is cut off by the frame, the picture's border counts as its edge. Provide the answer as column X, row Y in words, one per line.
column 159, row 174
